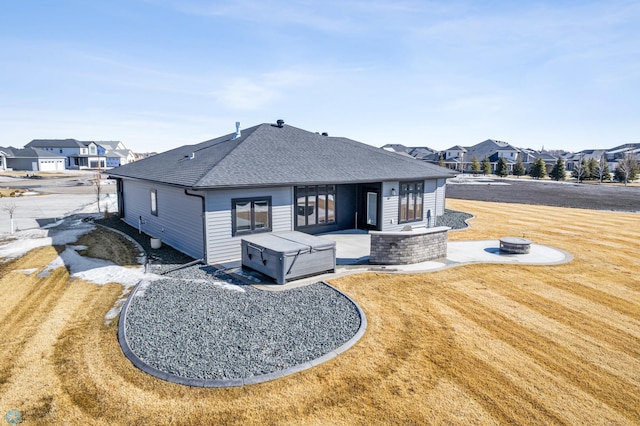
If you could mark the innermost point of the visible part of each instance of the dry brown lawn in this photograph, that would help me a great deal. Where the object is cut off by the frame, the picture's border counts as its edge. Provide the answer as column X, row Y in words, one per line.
column 478, row 344
column 7, row 192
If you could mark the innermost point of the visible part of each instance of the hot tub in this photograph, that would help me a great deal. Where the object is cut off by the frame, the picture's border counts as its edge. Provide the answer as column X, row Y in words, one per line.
column 288, row 255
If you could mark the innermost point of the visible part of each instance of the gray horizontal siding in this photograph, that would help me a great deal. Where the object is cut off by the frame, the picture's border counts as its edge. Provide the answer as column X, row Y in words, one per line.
column 179, row 220
column 221, row 244
column 442, row 188
column 433, row 200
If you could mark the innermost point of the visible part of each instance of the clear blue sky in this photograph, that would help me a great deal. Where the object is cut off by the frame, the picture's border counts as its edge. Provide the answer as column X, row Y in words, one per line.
column 158, row 74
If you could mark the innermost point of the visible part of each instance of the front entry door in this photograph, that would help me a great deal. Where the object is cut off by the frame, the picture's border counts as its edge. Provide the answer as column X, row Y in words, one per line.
column 369, row 208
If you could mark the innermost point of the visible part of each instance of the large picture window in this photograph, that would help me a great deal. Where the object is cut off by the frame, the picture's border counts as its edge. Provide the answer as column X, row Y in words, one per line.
column 411, row 201
column 251, row 215
column 315, row 205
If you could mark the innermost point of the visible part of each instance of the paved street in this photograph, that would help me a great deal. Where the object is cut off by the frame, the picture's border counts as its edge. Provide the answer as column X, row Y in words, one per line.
column 51, row 199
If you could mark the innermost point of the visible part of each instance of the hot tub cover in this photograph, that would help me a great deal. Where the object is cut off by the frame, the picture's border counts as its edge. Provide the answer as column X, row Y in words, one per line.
column 289, row 254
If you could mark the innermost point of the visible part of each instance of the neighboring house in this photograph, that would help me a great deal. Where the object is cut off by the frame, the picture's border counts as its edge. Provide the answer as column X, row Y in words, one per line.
column 425, row 154
column 529, row 156
column 30, row 159
column 116, row 153
column 119, row 157
column 80, row 155
column 619, row 152
column 418, row 152
column 110, row 145
column 493, row 150
column 614, row 155
column 455, row 157
column 3, row 160
column 571, row 159
column 201, row 199
column 397, row 148
column 461, row 158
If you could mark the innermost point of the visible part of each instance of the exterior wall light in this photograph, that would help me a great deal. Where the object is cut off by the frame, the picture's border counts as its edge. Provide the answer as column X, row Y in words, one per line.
column 393, row 192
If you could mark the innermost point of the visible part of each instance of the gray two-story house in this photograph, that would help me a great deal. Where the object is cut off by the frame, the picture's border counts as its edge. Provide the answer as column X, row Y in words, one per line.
column 80, row 154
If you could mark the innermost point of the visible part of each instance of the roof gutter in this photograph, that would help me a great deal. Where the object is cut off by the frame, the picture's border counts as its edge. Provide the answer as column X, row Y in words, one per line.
column 204, row 226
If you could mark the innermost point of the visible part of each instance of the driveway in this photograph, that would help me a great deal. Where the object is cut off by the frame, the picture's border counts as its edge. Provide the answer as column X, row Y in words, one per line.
column 51, row 199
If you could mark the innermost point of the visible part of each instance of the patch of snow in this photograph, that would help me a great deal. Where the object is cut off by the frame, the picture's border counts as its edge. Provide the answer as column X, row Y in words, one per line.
column 28, row 240
column 28, row 271
column 221, row 284
column 97, row 271
column 144, row 284
column 227, row 286
column 54, row 224
column 241, row 272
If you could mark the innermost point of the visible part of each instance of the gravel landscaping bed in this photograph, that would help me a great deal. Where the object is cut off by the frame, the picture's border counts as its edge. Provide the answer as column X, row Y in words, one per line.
column 203, row 329
column 454, row 219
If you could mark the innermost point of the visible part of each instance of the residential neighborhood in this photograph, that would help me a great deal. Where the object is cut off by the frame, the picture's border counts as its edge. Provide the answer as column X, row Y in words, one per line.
column 462, row 158
column 50, row 155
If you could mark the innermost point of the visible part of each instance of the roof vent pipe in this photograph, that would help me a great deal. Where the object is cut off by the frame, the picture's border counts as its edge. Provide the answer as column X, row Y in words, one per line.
column 238, row 133
column 280, row 123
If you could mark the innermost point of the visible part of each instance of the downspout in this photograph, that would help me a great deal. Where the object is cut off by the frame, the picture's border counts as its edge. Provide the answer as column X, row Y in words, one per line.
column 204, row 225
column 435, row 207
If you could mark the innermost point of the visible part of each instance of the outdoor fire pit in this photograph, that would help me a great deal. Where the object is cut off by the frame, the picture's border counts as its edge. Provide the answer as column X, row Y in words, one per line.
column 515, row 245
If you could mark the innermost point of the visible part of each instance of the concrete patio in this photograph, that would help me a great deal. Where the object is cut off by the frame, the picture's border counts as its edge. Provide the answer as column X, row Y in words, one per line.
column 353, row 247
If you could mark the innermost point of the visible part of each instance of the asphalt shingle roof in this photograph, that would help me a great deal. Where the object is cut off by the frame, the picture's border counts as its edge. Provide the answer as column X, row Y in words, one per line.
column 54, row 143
column 29, row 153
column 267, row 155
column 487, row 149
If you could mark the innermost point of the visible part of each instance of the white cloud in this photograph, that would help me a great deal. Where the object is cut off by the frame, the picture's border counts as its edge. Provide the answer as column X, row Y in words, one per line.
column 321, row 16
column 243, row 93
column 252, row 93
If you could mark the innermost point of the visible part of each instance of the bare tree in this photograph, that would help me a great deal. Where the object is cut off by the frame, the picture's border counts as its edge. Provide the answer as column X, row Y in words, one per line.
column 627, row 168
column 579, row 168
column 602, row 169
column 98, row 186
column 10, row 208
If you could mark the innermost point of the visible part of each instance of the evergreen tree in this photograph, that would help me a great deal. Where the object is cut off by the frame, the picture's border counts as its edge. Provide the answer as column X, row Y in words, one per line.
column 502, row 170
column 475, row 166
column 539, row 169
column 592, row 169
column 558, row 172
column 518, row 168
column 486, row 166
